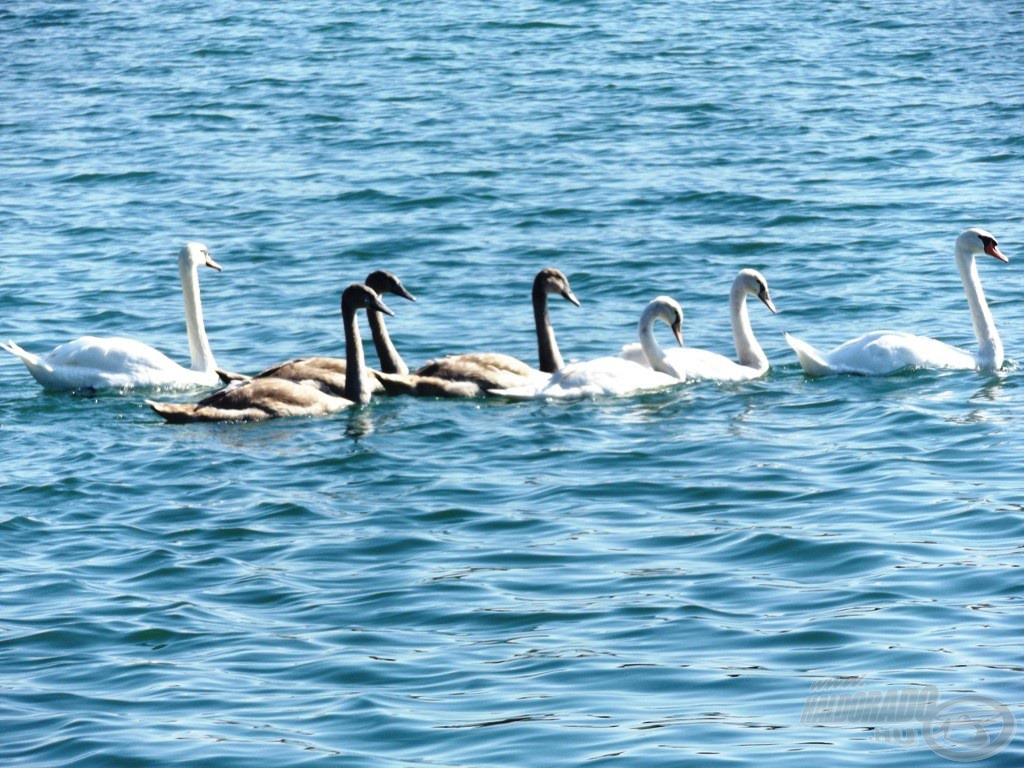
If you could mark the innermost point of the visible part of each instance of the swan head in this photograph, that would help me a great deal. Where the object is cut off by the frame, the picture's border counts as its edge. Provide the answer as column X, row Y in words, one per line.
column 383, row 281
column 194, row 255
column 667, row 309
column 359, row 296
column 753, row 283
column 977, row 240
column 551, row 280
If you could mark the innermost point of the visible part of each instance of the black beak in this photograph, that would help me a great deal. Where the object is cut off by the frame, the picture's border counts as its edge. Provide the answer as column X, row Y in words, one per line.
column 399, row 290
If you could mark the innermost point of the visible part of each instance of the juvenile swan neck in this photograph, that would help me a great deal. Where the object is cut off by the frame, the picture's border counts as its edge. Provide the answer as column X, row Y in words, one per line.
column 547, row 348
column 356, row 389
column 748, row 351
column 990, row 346
column 198, row 344
column 390, row 360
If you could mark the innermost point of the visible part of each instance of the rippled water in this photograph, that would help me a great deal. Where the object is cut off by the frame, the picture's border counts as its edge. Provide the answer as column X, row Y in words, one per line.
column 657, row 580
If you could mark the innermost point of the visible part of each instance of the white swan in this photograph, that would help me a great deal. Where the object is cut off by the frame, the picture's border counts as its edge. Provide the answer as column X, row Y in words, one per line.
column 883, row 352
column 271, row 398
column 612, row 376
column 328, row 373
column 690, row 364
column 469, row 375
column 117, row 363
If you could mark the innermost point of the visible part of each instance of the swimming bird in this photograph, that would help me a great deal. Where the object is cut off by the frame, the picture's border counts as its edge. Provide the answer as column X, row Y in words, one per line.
column 614, row 376
column 270, row 398
column 691, row 364
column 328, row 373
column 884, row 352
column 473, row 374
column 93, row 362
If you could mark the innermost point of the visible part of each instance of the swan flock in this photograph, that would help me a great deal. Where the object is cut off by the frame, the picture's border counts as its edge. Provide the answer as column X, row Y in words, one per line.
column 317, row 385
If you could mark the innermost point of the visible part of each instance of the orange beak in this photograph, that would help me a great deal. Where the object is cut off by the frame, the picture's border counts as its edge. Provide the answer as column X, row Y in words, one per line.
column 993, row 250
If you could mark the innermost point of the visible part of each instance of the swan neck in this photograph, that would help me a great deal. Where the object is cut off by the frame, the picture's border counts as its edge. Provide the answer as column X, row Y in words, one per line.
column 652, row 350
column 198, row 343
column 990, row 346
column 748, row 351
column 547, row 348
column 356, row 388
column 390, row 360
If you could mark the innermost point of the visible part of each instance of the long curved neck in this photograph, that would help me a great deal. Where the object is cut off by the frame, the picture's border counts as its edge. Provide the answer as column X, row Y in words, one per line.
column 748, row 351
column 198, row 344
column 356, row 388
column 652, row 350
column 547, row 348
column 990, row 346
column 390, row 360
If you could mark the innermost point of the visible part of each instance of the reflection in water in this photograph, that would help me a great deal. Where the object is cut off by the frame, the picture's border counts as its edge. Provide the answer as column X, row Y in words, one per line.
column 993, row 389
column 358, row 423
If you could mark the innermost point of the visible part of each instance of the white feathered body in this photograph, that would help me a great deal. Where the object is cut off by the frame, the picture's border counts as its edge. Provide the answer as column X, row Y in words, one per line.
column 694, row 364
column 880, row 353
column 93, row 362
column 601, row 377
column 691, row 364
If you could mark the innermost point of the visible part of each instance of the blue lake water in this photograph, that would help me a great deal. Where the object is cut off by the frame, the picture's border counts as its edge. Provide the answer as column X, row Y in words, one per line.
column 650, row 581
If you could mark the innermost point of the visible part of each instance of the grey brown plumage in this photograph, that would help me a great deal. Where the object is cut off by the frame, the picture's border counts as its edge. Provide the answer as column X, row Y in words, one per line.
column 469, row 375
column 271, row 398
column 255, row 400
column 328, row 373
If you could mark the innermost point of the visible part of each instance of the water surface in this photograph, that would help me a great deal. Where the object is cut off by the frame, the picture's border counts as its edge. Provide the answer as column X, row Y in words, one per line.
column 657, row 580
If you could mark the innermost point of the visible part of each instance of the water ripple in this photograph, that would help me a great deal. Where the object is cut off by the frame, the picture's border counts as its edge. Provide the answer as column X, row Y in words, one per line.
column 649, row 581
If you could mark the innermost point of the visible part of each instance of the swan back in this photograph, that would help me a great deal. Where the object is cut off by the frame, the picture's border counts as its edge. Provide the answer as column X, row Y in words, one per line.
column 255, row 400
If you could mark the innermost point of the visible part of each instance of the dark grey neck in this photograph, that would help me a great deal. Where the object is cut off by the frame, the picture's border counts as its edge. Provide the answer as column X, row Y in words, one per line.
column 547, row 348
column 355, row 365
column 390, row 360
